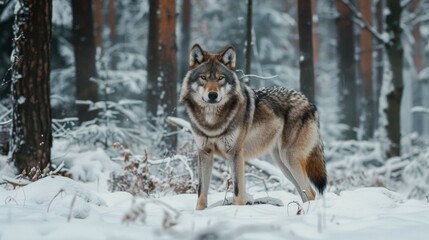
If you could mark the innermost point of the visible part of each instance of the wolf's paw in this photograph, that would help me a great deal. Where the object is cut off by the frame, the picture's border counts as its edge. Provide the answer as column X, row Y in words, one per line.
column 200, row 207
column 229, row 201
column 201, row 203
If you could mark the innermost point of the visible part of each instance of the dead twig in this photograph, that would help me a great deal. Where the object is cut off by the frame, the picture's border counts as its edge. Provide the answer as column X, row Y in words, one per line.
column 300, row 210
column 228, row 184
column 56, row 195
column 71, row 207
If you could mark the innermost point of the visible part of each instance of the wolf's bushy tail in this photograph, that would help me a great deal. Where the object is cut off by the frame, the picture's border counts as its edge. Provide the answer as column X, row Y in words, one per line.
column 316, row 169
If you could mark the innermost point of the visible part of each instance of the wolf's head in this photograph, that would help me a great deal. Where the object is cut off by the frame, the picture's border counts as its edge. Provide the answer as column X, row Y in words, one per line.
column 211, row 76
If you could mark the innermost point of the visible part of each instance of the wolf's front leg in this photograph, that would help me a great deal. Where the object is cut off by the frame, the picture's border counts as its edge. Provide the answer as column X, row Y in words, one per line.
column 205, row 165
column 239, row 180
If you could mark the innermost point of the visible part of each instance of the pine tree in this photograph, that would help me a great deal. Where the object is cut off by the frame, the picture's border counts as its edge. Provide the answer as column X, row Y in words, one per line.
column 31, row 129
column 84, row 51
column 347, row 74
column 306, row 49
column 367, row 98
column 395, row 54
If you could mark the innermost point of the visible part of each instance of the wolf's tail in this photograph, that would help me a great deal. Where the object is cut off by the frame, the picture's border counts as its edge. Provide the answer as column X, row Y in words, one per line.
column 316, row 169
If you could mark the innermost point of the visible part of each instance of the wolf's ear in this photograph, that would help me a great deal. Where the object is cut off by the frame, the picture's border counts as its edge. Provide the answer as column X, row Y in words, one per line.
column 196, row 56
column 228, row 57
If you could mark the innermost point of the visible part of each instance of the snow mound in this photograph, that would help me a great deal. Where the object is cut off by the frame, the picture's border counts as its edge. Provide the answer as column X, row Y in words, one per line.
column 43, row 207
column 58, row 195
column 83, row 164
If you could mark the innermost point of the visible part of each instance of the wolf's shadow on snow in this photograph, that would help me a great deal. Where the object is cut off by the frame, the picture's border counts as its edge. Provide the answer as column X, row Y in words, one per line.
column 250, row 201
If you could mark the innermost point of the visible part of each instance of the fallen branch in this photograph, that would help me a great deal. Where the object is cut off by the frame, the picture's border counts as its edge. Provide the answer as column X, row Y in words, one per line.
column 266, row 168
column 180, row 123
column 16, row 182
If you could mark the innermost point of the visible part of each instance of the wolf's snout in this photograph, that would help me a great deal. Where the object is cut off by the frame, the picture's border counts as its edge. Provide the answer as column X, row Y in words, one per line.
column 212, row 96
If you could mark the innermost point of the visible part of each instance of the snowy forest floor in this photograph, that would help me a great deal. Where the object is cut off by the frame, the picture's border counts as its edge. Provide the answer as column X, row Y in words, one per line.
column 41, row 210
column 56, row 207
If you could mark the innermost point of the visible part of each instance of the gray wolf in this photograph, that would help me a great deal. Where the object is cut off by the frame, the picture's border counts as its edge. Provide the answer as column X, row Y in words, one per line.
column 237, row 123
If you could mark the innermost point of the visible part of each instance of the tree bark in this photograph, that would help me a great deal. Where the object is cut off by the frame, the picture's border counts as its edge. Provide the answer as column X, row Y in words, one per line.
column 418, row 51
column 367, row 98
column 186, row 37
column 112, row 21
column 347, row 75
column 305, row 19
column 31, row 128
column 395, row 54
column 152, row 61
column 379, row 63
column 84, row 51
column 249, row 43
column 315, row 37
column 167, row 62
column 98, row 23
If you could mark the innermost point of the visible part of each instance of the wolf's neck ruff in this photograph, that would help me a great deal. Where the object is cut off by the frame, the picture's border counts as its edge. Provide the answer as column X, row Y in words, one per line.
column 212, row 120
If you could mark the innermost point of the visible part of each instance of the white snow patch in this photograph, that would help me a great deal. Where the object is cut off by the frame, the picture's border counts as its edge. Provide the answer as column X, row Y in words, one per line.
column 360, row 214
column 419, row 109
column 21, row 100
column 83, row 164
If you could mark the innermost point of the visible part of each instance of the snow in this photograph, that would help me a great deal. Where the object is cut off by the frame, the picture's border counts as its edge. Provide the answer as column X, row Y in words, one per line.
column 83, row 164
column 21, row 100
column 42, row 208
column 419, row 109
column 83, row 207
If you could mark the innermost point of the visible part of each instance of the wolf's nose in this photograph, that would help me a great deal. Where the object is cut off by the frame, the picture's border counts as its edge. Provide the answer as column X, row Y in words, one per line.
column 212, row 95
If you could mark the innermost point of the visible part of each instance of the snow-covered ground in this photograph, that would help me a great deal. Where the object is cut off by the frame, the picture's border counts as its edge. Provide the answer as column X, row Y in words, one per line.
column 61, row 208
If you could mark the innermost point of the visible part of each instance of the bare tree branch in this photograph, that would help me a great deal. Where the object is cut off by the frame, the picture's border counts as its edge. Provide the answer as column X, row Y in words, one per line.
column 362, row 23
column 405, row 3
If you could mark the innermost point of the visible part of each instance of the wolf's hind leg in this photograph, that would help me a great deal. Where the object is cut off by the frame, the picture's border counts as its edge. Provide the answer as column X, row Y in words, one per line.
column 275, row 154
column 205, row 166
column 296, row 163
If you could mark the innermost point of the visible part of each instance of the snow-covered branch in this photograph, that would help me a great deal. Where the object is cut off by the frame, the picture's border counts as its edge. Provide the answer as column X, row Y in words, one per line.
column 382, row 37
column 419, row 109
column 180, row 123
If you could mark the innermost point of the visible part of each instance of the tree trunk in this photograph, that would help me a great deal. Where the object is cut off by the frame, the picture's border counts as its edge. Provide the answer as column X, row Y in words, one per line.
column 315, row 36
column 306, row 49
column 152, row 61
column 395, row 53
column 249, row 43
column 167, row 63
column 347, row 75
column 367, row 98
column 379, row 62
column 31, row 128
column 84, row 51
column 98, row 20
column 418, row 51
column 112, row 21
column 186, row 37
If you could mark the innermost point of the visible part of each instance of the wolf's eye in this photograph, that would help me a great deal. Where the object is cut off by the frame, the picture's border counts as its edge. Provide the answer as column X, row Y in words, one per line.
column 203, row 77
column 221, row 78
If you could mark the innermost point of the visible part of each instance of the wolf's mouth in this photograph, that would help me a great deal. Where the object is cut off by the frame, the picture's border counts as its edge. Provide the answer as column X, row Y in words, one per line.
column 211, row 101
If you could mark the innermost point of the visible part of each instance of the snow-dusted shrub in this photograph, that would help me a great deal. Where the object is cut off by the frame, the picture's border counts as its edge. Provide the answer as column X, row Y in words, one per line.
column 115, row 122
column 353, row 164
column 416, row 176
column 142, row 176
column 135, row 177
